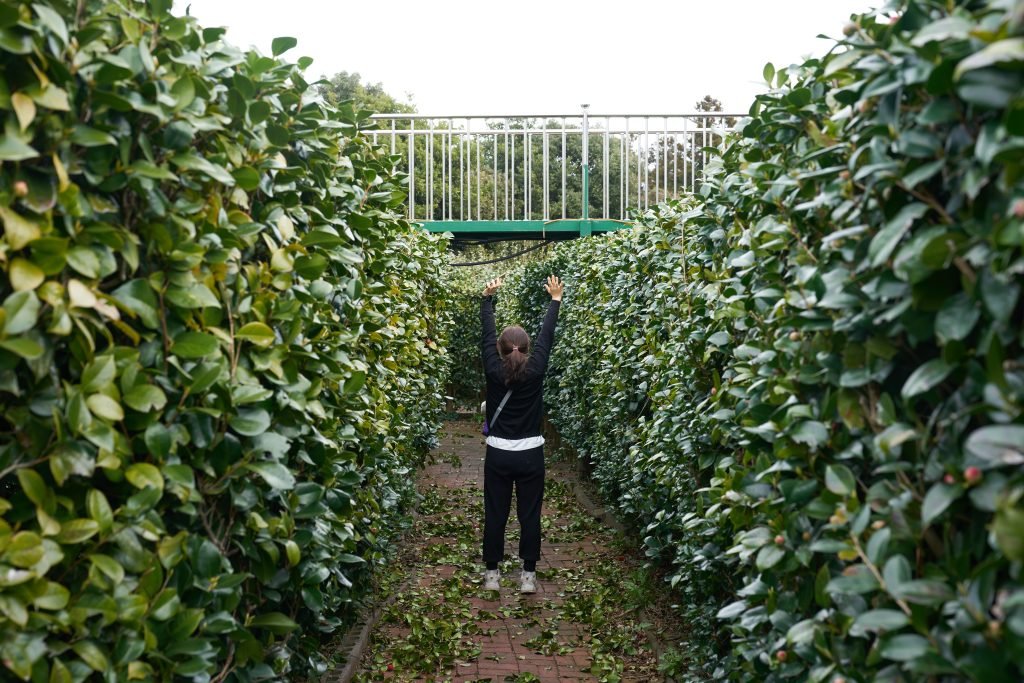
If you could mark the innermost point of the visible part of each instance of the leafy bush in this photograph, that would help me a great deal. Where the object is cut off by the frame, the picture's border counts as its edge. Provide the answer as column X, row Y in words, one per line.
column 467, row 375
column 809, row 389
column 208, row 312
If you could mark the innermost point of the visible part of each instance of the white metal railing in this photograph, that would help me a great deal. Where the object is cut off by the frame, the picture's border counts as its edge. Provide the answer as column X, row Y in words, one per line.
column 540, row 167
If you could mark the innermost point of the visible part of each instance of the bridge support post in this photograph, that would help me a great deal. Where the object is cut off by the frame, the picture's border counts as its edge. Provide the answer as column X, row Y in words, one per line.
column 586, row 166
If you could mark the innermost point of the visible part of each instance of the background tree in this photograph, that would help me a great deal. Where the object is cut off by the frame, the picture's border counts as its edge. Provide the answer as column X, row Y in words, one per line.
column 346, row 85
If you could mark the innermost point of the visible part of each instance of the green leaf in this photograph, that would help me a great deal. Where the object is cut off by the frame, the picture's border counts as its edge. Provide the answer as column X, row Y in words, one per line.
column 25, row 275
column 939, row 497
column 142, row 474
column 956, row 318
column 77, row 531
column 279, row 46
column 90, row 137
column 188, row 161
column 108, row 566
column 34, row 488
column 13, row 149
column 147, row 169
column 997, row 444
column 103, row 406
column 811, row 433
column 99, row 509
column 99, row 373
column 52, row 596
column 275, row 622
column 278, row 135
column 884, row 243
column 208, row 561
column 15, row 42
column 84, row 260
column 292, row 551
column 1000, row 295
column 768, row 72
column 51, row 97
column 928, row 592
column 21, row 311
column 24, row 109
column 769, row 556
column 276, row 475
column 1008, row 529
column 925, row 378
column 29, row 349
column 184, row 92
column 904, row 647
column 258, row 333
column 878, row 620
column 1006, row 51
column 92, row 655
column 251, row 422
column 856, row 580
column 145, row 398
column 18, row 230
column 52, row 21
column 194, row 345
column 138, row 297
column 247, row 177
column 355, row 383
column 259, row 111
column 840, row 480
column 158, row 440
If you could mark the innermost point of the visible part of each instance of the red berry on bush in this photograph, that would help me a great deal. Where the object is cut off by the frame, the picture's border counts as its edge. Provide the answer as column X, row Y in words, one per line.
column 972, row 475
column 794, row 336
column 1017, row 209
column 714, row 390
column 781, row 655
column 949, row 479
column 780, row 539
column 20, row 188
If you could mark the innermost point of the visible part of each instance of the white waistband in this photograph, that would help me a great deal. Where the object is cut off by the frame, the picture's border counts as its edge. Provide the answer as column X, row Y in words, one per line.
column 515, row 444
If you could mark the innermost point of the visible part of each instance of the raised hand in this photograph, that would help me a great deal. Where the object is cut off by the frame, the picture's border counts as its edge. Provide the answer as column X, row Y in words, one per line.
column 554, row 287
column 492, row 287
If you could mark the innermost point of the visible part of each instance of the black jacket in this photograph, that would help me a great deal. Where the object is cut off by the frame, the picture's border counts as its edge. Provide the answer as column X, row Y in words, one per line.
column 520, row 418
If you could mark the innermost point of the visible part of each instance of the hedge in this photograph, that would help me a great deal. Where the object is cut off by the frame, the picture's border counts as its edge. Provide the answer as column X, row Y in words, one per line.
column 807, row 388
column 220, row 351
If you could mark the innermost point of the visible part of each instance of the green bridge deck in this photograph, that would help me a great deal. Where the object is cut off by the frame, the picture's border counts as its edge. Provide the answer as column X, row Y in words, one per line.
column 564, row 229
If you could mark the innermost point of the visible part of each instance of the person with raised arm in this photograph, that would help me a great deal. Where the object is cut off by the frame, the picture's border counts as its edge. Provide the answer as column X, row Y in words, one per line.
column 514, row 373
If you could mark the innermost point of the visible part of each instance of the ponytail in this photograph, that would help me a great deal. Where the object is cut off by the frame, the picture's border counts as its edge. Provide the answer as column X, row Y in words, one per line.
column 514, row 349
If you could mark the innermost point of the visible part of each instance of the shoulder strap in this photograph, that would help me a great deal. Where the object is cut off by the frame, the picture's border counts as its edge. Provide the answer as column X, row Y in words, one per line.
column 500, row 406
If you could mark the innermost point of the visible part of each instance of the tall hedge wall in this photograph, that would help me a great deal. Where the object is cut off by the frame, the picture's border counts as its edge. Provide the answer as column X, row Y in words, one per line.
column 220, row 351
column 808, row 389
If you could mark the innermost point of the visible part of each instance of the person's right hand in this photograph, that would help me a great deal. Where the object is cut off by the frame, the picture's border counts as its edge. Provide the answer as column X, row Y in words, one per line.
column 554, row 287
column 492, row 287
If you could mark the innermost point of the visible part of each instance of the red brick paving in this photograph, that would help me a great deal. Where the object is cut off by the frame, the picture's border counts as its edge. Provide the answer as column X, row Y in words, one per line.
column 504, row 653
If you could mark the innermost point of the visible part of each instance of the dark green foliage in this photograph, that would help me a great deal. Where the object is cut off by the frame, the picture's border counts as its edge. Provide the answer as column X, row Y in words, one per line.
column 208, row 312
column 809, row 389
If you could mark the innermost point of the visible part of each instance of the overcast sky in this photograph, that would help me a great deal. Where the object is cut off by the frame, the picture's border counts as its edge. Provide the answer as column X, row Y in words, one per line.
column 543, row 57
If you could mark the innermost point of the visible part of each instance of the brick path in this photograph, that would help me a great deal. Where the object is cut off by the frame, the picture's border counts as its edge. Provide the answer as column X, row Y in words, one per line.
column 507, row 633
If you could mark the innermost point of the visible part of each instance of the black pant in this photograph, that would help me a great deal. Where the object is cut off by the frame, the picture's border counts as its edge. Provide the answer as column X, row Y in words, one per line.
column 502, row 469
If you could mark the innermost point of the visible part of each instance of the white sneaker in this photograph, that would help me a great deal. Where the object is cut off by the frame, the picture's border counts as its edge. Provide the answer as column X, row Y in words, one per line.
column 528, row 582
column 491, row 577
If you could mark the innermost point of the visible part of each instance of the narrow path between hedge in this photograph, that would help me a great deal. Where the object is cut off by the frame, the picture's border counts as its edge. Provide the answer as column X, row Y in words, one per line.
column 581, row 625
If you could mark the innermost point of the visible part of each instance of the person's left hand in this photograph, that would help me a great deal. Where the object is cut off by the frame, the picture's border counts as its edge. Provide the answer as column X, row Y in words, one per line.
column 492, row 287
